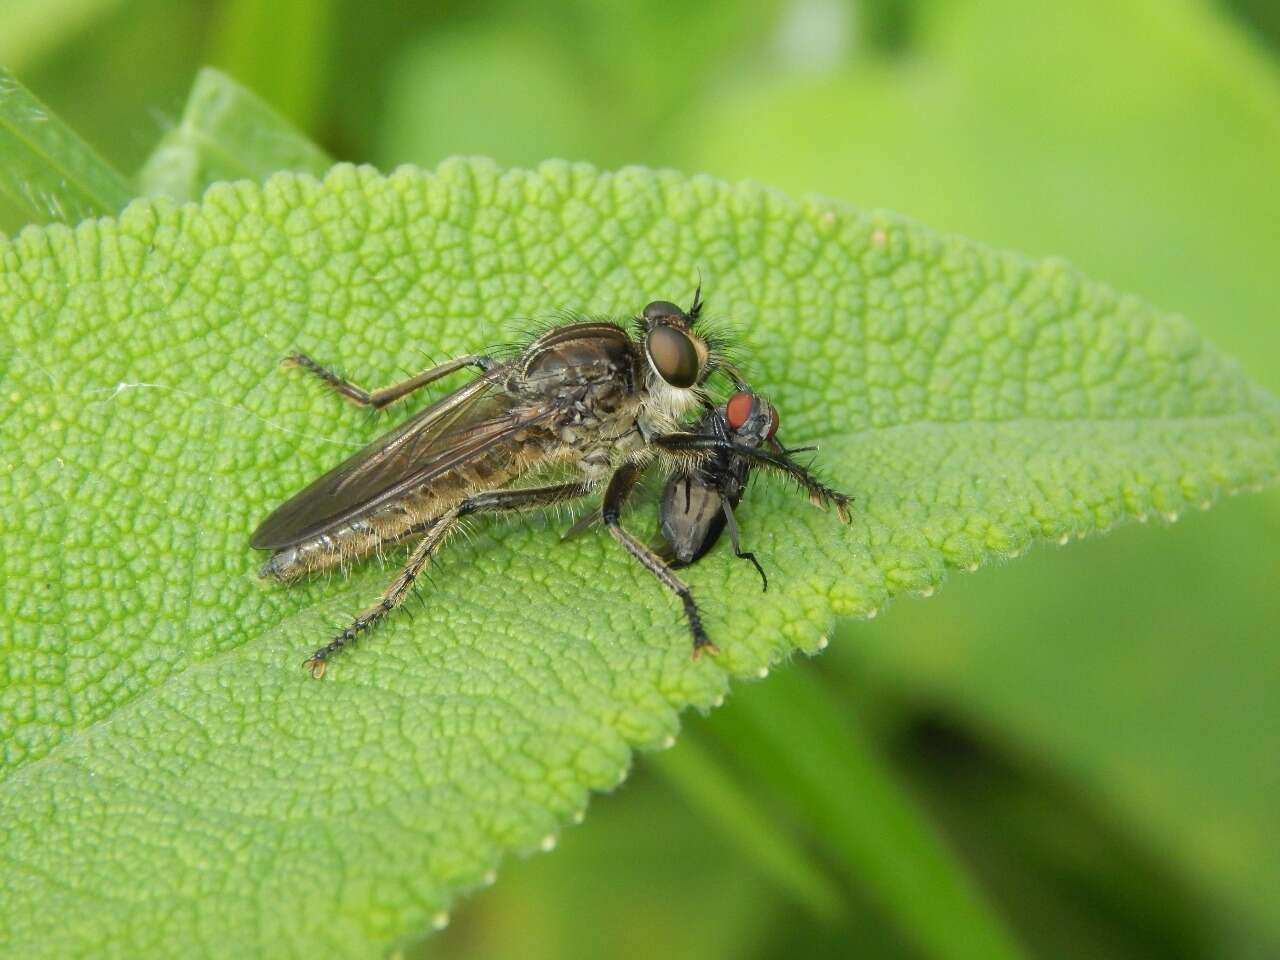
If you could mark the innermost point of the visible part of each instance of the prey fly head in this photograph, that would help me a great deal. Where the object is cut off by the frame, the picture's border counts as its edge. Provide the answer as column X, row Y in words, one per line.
column 750, row 418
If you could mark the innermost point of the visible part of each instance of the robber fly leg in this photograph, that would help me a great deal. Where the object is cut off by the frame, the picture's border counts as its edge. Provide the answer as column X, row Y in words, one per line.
column 620, row 486
column 694, row 443
column 436, row 532
column 377, row 399
column 395, row 594
column 731, row 525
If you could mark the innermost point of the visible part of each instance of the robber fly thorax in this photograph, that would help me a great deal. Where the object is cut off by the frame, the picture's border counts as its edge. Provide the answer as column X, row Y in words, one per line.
column 698, row 502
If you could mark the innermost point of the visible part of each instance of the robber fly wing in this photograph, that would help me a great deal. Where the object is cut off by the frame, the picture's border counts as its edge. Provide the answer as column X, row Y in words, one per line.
column 403, row 449
column 440, row 438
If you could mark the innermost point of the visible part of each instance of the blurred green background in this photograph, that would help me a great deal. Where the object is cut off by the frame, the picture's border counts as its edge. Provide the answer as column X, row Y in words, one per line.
column 1094, row 731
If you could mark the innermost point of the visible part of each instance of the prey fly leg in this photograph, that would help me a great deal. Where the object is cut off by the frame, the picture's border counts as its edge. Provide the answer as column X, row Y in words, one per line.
column 385, row 396
column 731, row 524
column 436, row 532
column 699, row 498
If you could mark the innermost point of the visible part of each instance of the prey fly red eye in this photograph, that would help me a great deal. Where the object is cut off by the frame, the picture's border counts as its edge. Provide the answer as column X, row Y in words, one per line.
column 738, row 410
column 773, row 424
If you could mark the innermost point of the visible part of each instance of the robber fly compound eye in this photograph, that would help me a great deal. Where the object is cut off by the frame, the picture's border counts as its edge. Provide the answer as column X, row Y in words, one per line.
column 672, row 355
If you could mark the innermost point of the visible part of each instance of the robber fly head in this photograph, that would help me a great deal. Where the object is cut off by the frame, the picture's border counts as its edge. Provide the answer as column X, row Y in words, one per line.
column 680, row 357
column 676, row 353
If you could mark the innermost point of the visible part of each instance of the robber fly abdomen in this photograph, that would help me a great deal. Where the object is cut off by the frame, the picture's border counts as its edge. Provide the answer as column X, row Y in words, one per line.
column 588, row 397
column 394, row 521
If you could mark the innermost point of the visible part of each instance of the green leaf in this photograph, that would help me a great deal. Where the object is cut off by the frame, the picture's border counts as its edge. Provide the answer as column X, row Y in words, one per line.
column 28, row 34
column 529, row 81
column 287, row 53
column 226, row 133
column 171, row 774
column 49, row 174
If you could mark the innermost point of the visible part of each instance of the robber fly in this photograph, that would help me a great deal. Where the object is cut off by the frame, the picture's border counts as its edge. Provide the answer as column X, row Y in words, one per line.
column 590, row 398
column 697, row 503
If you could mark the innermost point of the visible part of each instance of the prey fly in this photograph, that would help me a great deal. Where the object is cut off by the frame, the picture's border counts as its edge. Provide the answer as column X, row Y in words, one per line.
column 697, row 503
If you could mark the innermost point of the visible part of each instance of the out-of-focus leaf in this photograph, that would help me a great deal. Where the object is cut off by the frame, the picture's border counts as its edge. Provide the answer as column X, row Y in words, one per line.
column 1069, row 874
column 31, row 29
column 585, row 79
column 726, row 807
column 47, row 173
column 226, row 133
column 120, row 81
column 795, row 735
column 284, row 52
column 1262, row 16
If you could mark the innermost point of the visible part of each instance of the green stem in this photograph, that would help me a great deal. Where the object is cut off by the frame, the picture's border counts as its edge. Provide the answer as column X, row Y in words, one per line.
column 799, row 735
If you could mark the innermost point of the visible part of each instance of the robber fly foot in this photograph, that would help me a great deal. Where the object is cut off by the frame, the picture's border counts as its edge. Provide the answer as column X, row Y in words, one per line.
column 842, row 507
column 317, row 662
column 703, row 645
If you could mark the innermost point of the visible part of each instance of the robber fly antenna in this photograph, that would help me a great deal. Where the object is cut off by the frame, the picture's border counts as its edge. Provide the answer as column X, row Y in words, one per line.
column 696, row 307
